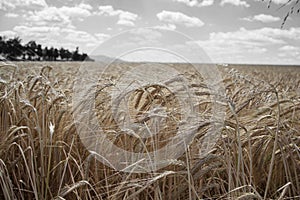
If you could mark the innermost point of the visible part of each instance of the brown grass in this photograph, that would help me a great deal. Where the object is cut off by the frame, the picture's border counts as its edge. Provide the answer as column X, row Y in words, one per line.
column 257, row 155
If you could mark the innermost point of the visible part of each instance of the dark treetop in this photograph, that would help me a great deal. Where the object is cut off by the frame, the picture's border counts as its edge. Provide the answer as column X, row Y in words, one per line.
column 13, row 50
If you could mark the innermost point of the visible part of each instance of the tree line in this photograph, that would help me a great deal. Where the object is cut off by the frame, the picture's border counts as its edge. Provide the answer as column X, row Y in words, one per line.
column 13, row 50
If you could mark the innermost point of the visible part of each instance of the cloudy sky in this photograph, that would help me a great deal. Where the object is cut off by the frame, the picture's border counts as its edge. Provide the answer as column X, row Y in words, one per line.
column 229, row 31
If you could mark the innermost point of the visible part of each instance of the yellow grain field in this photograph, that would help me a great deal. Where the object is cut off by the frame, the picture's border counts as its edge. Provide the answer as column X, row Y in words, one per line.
column 256, row 154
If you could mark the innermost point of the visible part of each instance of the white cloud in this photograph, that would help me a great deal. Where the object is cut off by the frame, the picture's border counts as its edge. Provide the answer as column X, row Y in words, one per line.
column 289, row 51
column 38, row 13
column 24, row 4
column 146, row 34
column 101, row 36
column 263, row 35
column 53, row 26
column 125, row 22
column 235, row 3
column 142, row 37
column 179, row 18
column 27, row 32
column 124, row 17
column 47, row 17
column 57, row 36
column 83, row 39
column 262, row 18
column 266, row 18
column 247, row 45
column 99, row 39
column 8, row 34
column 53, row 16
column 77, row 36
column 197, row 3
column 170, row 27
column 11, row 15
column 289, row 48
column 292, row 33
column 80, row 11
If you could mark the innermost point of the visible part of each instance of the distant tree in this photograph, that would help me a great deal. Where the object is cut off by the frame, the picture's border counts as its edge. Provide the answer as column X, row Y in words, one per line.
column 83, row 57
column 31, row 50
column 50, row 54
column 55, row 54
column 13, row 48
column 2, row 44
column 62, row 53
column 65, row 54
column 45, row 54
column 39, row 51
column 68, row 55
column 76, row 56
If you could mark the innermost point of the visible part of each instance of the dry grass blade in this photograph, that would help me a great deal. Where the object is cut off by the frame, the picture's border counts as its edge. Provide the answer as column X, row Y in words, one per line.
column 257, row 155
column 5, row 182
column 70, row 188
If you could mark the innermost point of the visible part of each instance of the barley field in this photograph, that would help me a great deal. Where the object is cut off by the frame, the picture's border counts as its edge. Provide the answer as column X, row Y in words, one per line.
column 256, row 154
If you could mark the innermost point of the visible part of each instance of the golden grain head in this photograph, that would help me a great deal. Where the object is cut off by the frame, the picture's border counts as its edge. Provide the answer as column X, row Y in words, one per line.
column 256, row 157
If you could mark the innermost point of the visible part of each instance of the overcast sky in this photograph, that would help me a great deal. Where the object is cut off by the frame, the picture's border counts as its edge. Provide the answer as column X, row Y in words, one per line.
column 229, row 31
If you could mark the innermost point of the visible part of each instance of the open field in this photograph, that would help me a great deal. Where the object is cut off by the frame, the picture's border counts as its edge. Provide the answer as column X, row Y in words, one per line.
column 256, row 155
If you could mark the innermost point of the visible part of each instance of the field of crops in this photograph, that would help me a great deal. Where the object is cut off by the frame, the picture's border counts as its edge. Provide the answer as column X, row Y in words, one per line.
column 256, row 154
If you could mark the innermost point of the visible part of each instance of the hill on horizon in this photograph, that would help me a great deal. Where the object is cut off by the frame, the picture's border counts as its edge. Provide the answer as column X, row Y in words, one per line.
column 105, row 59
